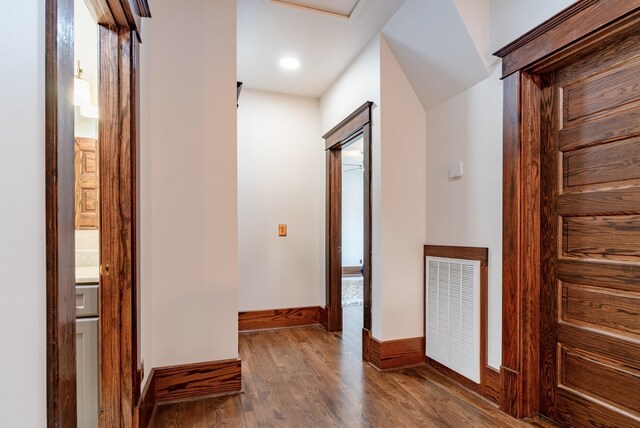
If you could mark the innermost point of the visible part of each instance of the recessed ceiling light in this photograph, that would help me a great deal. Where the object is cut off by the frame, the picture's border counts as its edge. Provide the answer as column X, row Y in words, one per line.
column 289, row 63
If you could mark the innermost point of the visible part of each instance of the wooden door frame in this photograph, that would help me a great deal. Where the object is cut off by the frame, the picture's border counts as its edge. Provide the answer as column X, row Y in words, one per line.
column 355, row 125
column 581, row 28
column 119, row 22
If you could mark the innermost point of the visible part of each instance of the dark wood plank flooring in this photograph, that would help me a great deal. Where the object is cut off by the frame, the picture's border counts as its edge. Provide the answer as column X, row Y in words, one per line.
column 306, row 377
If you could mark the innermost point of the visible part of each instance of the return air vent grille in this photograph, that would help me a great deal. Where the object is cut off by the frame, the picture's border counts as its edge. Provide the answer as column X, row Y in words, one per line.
column 453, row 314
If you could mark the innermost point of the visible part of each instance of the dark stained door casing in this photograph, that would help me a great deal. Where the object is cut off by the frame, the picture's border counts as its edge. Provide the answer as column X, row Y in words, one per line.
column 590, row 236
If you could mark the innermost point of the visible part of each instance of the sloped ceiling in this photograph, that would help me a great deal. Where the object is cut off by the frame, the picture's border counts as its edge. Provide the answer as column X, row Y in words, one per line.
column 433, row 40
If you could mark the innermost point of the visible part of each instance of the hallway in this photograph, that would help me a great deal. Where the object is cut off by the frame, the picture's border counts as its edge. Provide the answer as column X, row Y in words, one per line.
column 306, row 377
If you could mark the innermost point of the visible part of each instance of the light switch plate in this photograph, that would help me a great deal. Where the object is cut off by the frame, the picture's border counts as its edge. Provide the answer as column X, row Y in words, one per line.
column 456, row 170
column 282, row 230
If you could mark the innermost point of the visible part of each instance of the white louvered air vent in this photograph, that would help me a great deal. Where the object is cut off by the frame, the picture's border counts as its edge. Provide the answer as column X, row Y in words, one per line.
column 453, row 314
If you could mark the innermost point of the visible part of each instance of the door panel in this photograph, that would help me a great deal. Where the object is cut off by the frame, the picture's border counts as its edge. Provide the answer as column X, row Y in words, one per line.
column 590, row 348
column 86, row 170
column 87, row 371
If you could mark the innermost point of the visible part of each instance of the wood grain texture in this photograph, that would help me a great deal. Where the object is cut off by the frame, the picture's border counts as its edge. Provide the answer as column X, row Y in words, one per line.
column 491, row 389
column 602, row 91
column 511, row 225
column 59, row 215
column 521, row 244
column 306, row 377
column 198, row 380
column 607, row 201
column 366, row 345
column 396, row 354
column 118, row 368
column 569, row 26
column 465, row 253
column 87, row 199
column 553, row 22
column 333, row 240
column 606, row 164
column 279, row 318
column 348, row 127
column 147, row 405
column 577, row 410
column 591, row 310
column 589, row 376
column 549, row 244
column 598, row 342
column 343, row 134
column 613, row 275
column 601, row 130
column 601, row 307
column 610, row 237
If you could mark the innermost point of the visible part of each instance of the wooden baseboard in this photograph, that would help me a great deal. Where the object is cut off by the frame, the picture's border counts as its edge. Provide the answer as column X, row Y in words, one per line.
column 366, row 345
column 351, row 270
column 395, row 354
column 188, row 382
column 147, row 403
column 280, row 318
column 198, row 380
column 489, row 386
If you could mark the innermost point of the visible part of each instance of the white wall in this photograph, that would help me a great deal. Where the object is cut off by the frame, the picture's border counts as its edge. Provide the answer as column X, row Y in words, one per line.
column 399, row 184
column 22, row 242
column 360, row 83
column 352, row 208
column 280, row 181
column 468, row 128
column 86, row 51
column 468, row 211
column 403, row 203
column 145, row 210
column 189, row 213
column 512, row 18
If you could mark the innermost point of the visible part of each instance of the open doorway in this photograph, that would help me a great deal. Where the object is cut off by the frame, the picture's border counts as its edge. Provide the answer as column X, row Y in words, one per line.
column 352, row 241
column 87, row 214
column 348, row 148
column 93, row 367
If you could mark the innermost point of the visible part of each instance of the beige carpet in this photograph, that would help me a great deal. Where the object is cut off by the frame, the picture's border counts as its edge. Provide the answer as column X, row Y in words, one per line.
column 352, row 291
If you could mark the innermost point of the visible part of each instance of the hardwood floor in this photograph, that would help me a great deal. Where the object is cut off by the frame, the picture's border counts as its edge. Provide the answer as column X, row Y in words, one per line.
column 306, row 377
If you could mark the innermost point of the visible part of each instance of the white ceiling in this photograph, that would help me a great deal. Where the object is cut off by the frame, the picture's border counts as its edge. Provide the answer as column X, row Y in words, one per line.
column 440, row 51
column 325, row 44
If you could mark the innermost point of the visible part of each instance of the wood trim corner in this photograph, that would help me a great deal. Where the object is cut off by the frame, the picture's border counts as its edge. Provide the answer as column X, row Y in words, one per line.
column 580, row 23
column 349, row 126
column 582, row 28
column 147, row 405
column 280, row 318
column 366, row 345
column 197, row 380
column 492, row 384
column 395, row 354
column 187, row 382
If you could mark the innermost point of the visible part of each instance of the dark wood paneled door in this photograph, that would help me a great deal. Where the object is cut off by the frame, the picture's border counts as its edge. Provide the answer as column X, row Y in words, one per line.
column 590, row 330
